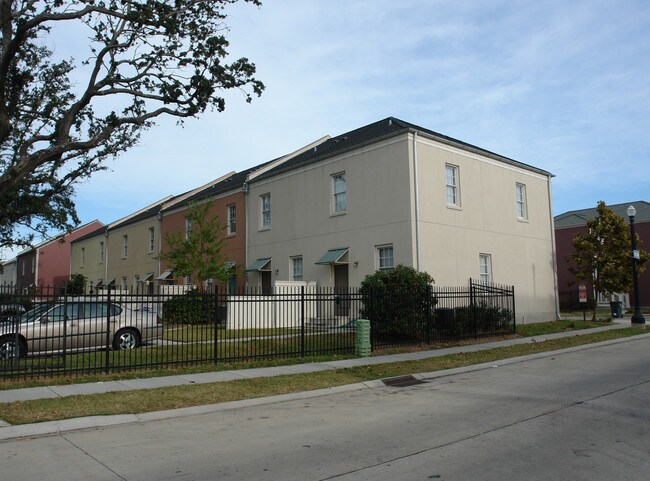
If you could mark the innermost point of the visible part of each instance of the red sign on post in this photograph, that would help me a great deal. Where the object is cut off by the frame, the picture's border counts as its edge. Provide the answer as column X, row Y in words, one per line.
column 583, row 293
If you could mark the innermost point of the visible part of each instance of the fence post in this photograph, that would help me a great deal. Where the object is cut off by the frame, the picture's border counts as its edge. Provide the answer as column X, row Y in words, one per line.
column 302, row 321
column 472, row 296
column 108, row 330
column 65, row 323
column 215, row 292
column 429, row 294
column 514, row 314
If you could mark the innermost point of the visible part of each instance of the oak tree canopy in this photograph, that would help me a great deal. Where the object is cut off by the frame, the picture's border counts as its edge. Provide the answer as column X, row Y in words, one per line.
column 62, row 118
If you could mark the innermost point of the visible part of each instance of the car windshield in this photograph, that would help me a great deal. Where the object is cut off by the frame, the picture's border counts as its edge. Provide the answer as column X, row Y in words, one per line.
column 35, row 312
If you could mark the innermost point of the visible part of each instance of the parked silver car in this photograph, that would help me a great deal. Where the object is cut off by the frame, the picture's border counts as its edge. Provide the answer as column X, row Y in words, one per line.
column 76, row 325
column 10, row 311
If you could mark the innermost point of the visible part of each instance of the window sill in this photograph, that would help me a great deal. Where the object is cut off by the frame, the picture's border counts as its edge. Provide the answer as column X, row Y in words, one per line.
column 338, row 214
column 521, row 219
column 263, row 229
column 454, row 207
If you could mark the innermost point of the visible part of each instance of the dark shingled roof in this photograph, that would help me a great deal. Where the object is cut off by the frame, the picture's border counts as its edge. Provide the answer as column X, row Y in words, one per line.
column 577, row 218
column 375, row 132
column 235, row 181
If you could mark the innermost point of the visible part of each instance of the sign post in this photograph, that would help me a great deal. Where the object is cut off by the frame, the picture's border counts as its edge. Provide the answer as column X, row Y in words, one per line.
column 582, row 290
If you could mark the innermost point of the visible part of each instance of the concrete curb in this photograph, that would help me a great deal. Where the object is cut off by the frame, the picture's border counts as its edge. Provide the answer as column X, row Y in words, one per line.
column 9, row 432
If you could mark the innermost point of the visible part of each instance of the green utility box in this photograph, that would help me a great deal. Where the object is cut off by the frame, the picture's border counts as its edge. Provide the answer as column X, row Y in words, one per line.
column 362, row 345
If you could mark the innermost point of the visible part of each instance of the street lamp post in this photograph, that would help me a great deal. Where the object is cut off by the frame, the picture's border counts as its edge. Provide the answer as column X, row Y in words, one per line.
column 637, row 317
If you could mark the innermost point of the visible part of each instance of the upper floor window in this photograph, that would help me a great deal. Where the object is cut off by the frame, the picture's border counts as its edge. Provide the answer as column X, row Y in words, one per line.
column 152, row 239
column 485, row 267
column 520, row 198
column 125, row 245
column 265, row 220
column 23, row 267
column 339, row 190
column 33, row 264
column 101, row 252
column 385, row 258
column 452, row 184
column 232, row 219
column 296, row 268
column 188, row 227
column 83, row 256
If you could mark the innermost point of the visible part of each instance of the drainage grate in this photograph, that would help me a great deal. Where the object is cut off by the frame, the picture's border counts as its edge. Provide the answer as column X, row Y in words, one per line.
column 402, row 381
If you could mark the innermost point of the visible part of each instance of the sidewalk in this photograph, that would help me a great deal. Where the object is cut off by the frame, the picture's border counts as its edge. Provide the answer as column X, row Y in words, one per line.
column 8, row 432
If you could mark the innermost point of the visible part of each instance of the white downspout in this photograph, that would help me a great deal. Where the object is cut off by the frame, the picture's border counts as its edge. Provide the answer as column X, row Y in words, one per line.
column 417, row 203
column 554, row 253
column 36, row 267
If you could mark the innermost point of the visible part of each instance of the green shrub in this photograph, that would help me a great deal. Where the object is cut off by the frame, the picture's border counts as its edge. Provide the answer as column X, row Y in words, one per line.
column 192, row 307
column 398, row 303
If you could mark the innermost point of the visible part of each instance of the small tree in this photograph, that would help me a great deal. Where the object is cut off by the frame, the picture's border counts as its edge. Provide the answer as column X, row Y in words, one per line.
column 199, row 252
column 602, row 257
column 398, row 301
column 76, row 285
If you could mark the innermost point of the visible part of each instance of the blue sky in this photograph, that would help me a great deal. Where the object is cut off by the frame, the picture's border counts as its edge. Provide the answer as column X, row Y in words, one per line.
column 564, row 86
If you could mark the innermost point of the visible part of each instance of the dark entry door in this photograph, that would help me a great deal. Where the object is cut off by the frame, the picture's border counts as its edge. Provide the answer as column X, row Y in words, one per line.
column 341, row 290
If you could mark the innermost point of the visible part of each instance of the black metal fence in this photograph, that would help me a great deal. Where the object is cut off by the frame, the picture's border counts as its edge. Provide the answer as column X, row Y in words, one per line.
column 570, row 300
column 441, row 314
column 47, row 332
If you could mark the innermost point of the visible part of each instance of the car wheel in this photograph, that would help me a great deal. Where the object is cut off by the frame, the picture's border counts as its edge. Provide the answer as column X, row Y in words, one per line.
column 126, row 339
column 12, row 349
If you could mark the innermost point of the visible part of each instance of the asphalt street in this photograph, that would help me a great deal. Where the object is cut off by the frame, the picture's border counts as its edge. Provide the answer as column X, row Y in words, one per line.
column 560, row 416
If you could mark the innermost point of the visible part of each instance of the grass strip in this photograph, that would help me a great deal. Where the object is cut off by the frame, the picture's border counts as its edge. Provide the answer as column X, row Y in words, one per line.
column 173, row 397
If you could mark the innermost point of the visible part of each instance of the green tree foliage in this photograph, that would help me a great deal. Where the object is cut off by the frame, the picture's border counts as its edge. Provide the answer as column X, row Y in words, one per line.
column 199, row 253
column 603, row 256
column 399, row 301
column 76, row 285
column 62, row 118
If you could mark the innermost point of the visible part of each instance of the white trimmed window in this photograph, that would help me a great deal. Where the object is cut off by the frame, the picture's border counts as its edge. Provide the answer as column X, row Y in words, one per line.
column 125, row 284
column 188, row 227
column 296, row 268
column 520, row 199
column 385, row 258
column 452, row 184
column 188, row 280
column 125, row 246
column 101, row 252
column 152, row 239
column 83, row 256
column 232, row 219
column 265, row 210
column 485, row 267
column 339, row 193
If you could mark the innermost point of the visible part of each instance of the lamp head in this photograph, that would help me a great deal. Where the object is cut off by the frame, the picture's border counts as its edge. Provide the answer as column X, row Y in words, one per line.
column 631, row 211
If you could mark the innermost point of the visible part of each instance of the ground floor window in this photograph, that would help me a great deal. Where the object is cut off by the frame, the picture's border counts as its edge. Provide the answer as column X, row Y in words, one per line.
column 385, row 258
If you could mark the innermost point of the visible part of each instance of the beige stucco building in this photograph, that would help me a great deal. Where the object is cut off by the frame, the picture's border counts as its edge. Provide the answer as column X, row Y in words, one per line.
column 124, row 253
column 394, row 193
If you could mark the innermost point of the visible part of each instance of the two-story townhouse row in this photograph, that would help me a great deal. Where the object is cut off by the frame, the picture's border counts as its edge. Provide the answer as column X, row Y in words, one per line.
column 47, row 264
column 227, row 196
column 394, row 193
column 569, row 224
column 124, row 254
